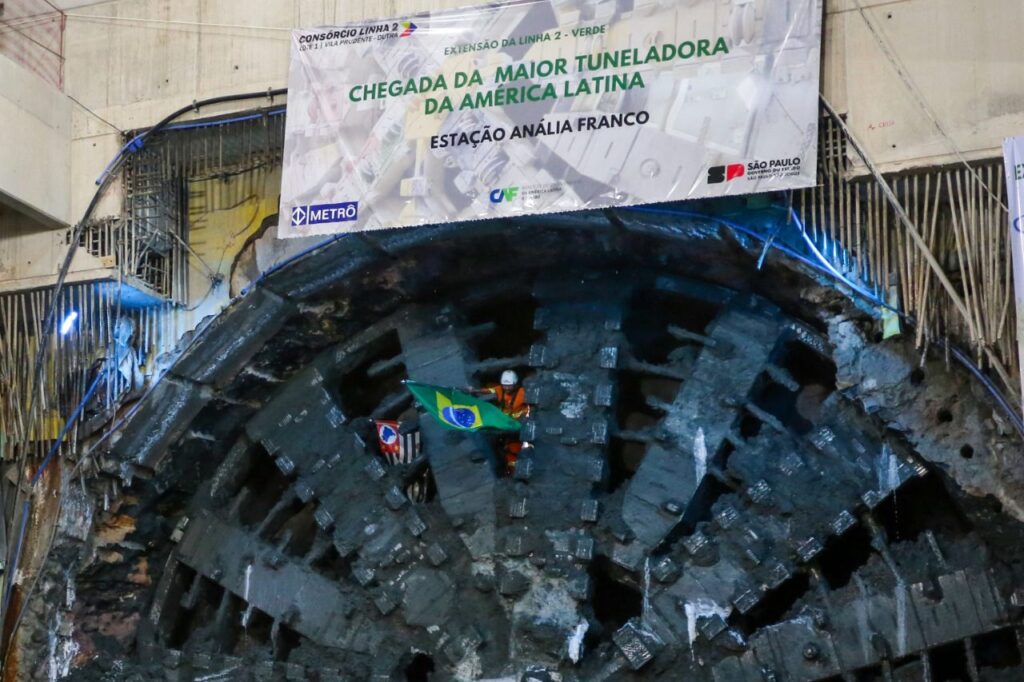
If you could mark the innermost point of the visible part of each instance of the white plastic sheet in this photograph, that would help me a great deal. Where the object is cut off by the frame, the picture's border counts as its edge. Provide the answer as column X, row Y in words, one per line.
column 547, row 105
column 1013, row 153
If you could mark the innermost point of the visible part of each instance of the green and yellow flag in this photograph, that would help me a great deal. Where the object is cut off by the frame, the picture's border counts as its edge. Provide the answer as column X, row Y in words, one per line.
column 457, row 410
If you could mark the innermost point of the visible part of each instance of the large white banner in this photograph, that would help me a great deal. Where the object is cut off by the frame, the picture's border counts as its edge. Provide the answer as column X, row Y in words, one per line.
column 547, row 105
column 1013, row 154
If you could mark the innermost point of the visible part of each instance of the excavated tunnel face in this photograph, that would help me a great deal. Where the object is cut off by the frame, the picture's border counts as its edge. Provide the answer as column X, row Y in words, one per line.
column 701, row 500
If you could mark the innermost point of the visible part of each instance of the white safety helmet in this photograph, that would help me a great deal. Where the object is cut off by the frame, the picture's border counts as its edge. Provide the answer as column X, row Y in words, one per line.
column 509, row 378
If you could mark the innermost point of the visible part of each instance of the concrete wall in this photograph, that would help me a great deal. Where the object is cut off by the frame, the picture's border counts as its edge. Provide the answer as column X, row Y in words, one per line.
column 962, row 56
column 34, row 145
column 31, row 254
column 26, row 246
column 35, row 178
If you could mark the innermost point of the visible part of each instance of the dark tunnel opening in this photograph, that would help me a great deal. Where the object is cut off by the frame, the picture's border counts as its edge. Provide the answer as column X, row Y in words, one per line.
column 420, row 668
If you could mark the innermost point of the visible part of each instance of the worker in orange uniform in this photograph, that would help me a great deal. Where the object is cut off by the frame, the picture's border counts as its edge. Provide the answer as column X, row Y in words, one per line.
column 510, row 397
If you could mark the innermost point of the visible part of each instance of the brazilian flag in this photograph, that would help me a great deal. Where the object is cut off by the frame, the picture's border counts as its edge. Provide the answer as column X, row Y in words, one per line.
column 456, row 410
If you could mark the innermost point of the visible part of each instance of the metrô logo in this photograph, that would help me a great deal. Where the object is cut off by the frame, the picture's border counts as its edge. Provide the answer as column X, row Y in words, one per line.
column 719, row 174
column 317, row 214
column 503, row 194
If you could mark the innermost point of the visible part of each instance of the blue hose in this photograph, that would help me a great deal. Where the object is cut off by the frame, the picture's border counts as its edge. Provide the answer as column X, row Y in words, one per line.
column 136, row 143
column 752, row 233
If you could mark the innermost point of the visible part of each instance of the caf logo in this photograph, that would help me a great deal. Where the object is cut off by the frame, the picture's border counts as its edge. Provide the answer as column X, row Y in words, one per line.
column 503, row 194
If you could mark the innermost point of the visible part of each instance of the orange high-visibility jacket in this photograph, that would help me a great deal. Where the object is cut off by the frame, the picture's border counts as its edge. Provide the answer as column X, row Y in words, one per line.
column 512, row 403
